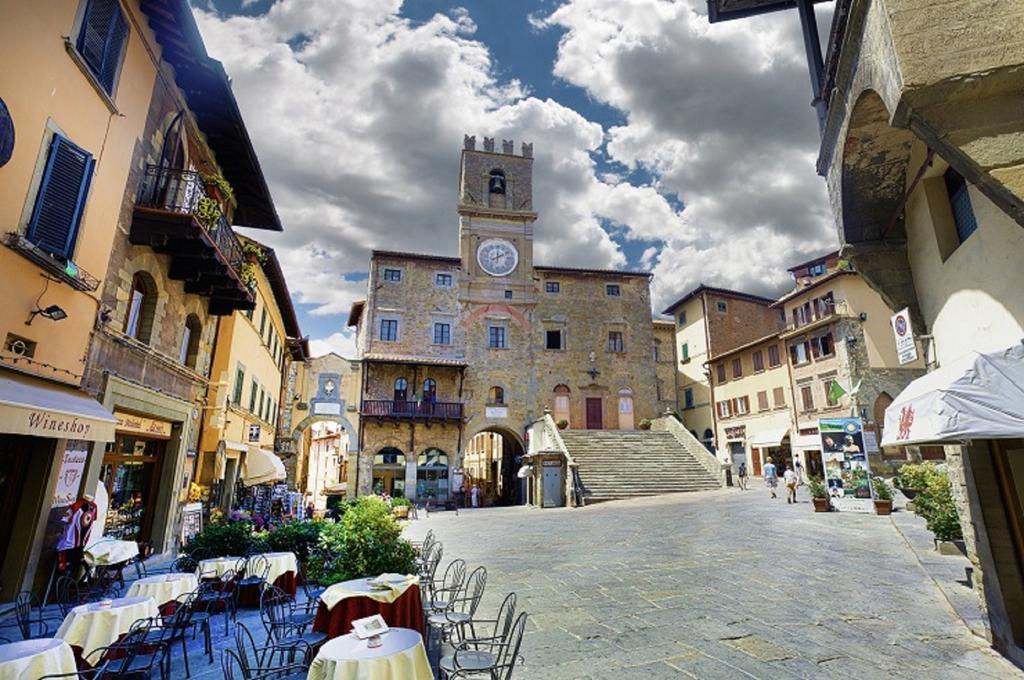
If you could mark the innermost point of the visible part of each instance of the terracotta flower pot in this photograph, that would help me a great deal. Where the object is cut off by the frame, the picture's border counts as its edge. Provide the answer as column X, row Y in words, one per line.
column 820, row 504
column 883, row 507
column 401, row 512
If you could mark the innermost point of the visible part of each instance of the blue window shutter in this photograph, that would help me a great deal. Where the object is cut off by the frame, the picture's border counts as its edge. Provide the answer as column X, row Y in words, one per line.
column 61, row 198
column 101, row 40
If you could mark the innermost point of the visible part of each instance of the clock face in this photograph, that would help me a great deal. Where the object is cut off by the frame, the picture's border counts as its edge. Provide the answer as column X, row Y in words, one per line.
column 497, row 257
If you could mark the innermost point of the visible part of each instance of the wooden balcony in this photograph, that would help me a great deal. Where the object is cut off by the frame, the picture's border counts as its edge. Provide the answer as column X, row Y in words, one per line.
column 175, row 216
column 411, row 410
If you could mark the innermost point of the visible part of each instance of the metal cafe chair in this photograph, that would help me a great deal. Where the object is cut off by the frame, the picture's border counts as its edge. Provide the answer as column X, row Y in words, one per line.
column 285, row 625
column 460, row 609
column 254, row 659
column 257, row 567
column 33, row 622
column 219, row 594
column 439, row 593
column 198, row 620
column 481, row 650
column 131, row 656
column 232, row 669
column 69, row 595
column 428, row 568
column 501, row 665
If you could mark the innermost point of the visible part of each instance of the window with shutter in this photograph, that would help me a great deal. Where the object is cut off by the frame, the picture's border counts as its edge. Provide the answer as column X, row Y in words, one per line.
column 61, row 197
column 101, row 40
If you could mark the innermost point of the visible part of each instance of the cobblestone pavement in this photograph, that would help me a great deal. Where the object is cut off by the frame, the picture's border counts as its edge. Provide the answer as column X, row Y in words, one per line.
column 722, row 584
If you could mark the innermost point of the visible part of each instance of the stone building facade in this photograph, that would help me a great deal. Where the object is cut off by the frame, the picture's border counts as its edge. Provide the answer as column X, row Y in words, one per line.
column 710, row 321
column 484, row 342
column 665, row 363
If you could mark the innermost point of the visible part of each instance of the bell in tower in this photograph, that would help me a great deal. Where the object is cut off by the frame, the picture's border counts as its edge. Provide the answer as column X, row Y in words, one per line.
column 497, row 185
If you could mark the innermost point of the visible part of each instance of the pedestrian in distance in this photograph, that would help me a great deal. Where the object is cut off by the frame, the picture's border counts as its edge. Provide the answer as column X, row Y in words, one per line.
column 791, row 479
column 771, row 477
column 474, row 495
column 741, row 473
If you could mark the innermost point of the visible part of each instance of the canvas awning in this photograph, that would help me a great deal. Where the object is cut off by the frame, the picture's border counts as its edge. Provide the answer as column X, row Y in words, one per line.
column 769, row 437
column 40, row 408
column 261, row 466
column 803, row 442
column 978, row 396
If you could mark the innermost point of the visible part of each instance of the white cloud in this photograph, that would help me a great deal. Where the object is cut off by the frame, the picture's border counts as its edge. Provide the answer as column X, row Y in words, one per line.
column 339, row 343
column 358, row 115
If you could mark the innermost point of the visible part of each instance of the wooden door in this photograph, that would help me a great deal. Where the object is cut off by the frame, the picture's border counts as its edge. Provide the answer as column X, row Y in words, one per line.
column 594, row 413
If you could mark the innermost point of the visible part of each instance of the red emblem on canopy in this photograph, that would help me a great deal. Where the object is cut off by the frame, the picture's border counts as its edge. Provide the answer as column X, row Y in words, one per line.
column 906, row 422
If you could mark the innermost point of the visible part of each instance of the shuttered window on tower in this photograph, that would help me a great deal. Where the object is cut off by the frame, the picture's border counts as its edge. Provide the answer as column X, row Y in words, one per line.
column 101, row 41
column 61, row 198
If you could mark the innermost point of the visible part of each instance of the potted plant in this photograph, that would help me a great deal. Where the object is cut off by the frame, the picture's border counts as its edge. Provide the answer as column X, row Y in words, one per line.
column 562, row 423
column 208, row 212
column 218, row 188
column 645, row 424
column 400, row 507
column 248, row 274
column 914, row 478
column 883, row 497
column 819, row 494
column 253, row 253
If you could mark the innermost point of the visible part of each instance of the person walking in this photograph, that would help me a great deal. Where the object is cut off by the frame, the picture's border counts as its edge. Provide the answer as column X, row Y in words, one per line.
column 474, row 495
column 742, row 474
column 771, row 477
column 791, row 479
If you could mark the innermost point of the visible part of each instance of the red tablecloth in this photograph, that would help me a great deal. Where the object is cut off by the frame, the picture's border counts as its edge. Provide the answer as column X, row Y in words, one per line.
column 249, row 596
column 405, row 612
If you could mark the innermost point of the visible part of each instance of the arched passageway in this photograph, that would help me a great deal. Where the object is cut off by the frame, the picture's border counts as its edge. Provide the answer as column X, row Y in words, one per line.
column 491, row 461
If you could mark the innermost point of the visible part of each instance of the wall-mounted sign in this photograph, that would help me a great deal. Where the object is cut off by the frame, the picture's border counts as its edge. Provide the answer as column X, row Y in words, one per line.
column 737, row 432
column 6, row 134
column 906, row 348
column 496, row 412
column 141, row 425
column 254, row 433
column 327, row 408
column 72, row 469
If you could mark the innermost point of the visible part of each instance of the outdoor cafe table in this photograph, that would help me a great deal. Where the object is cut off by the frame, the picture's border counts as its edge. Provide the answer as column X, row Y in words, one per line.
column 88, row 627
column 342, row 603
column 106, row 552
column 401, row 656
column 31, row 659
column 164, row 588
column 283, row 567
column 216, row 566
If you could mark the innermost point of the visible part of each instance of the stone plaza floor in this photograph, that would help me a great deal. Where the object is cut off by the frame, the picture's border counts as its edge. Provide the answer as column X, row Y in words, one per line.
column 721, row 584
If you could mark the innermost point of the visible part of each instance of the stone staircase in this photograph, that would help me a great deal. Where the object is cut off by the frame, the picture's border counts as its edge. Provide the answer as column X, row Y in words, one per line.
column 631, row 463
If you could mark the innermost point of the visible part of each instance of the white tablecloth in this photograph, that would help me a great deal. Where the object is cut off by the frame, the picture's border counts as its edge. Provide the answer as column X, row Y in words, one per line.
column 31, row 659
column 360, row 587
column 281, row 563
column 400, row 657
column 91, row 626
column 163, row 587
column 214, row 567
column 109, row 551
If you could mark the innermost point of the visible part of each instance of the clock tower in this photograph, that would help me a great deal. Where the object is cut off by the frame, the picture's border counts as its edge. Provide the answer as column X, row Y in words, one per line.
column 496, row 224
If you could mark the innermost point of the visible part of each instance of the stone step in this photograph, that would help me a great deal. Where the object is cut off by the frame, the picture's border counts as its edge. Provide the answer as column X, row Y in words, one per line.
column 632, row 463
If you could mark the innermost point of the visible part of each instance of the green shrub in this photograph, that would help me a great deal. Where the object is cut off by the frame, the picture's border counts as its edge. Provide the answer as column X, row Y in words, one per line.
column 817, row 488
column 400, row 501
column 223, row 540
column 935, row 503
column 883, row 491
column 645, row 424
column 917, row 475
column 366, row 542
column 297, row 537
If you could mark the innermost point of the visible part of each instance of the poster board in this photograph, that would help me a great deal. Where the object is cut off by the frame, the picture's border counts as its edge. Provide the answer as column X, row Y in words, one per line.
column 847, row 473
column 191, row 521
column 72, row 471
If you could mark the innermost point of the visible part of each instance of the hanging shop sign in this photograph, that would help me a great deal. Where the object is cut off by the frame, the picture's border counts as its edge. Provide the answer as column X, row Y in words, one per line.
column 846, row 464
column 154, row 428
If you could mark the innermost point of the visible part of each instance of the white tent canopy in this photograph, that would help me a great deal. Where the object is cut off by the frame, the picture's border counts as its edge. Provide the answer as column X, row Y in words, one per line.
column 978, row 396
column 261, row 467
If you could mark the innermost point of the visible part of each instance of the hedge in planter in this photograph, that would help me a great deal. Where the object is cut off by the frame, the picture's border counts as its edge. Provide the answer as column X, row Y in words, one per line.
column 366, row 542
column 300, row 538
column 935, row 503
column 222, row 540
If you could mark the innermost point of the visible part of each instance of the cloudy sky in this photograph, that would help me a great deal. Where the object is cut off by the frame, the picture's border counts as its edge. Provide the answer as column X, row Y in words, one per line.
column 661, row 142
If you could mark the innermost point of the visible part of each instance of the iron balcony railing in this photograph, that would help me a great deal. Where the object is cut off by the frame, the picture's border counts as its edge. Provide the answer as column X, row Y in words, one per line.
column 398, row 408
column 184, row 192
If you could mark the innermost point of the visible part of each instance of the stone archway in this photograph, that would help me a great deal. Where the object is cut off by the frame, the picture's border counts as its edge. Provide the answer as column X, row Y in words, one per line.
column 491, row 459
column 348, row 434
